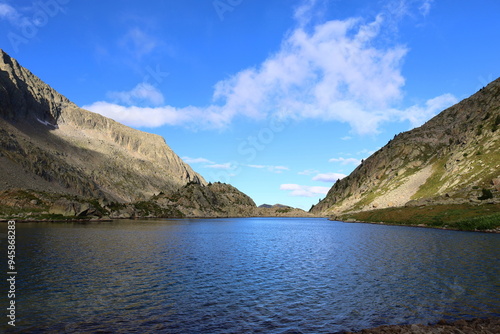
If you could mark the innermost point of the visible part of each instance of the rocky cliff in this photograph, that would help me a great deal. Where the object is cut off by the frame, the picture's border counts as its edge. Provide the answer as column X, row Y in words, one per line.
column 47, row 143
column 453, row 158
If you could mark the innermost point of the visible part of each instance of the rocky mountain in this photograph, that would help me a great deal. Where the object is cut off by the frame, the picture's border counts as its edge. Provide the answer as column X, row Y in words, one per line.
column 47, row 143
column 58, row 161
column 454, row 158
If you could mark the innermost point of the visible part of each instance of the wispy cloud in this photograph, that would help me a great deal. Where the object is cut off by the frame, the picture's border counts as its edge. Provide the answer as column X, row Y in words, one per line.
column 418, row 115
column 425, row 7
column 225, row 166
column 273, row 169
column 143, row 116
column 12, row 15
column 197, row 160
column 206, row 163
column 138, row 43
column 304, row 191
column 142, row 94
column 346, row 161
column 7, row 11
column 308, row 172
column 329, row 177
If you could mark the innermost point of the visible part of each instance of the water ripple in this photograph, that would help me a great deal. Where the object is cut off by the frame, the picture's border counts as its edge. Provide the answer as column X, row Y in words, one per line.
column 250, row 276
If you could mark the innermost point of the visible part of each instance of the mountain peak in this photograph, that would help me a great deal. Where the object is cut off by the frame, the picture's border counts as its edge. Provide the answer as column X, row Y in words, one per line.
column 49, row 142
column 23, row 96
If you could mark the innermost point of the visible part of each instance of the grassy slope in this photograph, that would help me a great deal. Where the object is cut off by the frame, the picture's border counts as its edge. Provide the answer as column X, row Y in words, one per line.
column 465, row 217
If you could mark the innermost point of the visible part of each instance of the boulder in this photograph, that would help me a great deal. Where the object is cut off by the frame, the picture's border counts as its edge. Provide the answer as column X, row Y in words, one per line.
column 496, row 183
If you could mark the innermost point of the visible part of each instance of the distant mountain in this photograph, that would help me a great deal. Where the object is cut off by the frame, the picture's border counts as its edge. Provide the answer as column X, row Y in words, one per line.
column 47, row 143
column 269, row 206
column 454, row 158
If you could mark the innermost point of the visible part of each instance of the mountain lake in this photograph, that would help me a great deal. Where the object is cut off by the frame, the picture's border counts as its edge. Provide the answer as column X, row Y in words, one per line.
column 247, row 275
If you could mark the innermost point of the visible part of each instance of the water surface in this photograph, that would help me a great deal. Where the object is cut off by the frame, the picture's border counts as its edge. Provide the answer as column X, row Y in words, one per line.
column 268, row 275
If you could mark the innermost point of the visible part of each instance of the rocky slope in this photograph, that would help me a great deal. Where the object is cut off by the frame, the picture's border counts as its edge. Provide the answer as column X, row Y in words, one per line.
column 195, row 200
column 453, row 158
column 280, row 210
column 190, row 201
column 47, row 143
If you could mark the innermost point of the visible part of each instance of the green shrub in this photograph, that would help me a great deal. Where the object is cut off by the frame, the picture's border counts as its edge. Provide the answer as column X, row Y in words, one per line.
column 486, row 194
column 482, row 223
column 479, row 130
column 496, row 123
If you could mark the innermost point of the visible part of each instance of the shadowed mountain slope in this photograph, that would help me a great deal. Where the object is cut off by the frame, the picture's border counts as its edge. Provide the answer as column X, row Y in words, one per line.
column 48, row 143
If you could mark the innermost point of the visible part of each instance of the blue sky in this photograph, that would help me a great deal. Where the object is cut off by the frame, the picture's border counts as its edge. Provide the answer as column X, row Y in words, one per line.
column 278, row 98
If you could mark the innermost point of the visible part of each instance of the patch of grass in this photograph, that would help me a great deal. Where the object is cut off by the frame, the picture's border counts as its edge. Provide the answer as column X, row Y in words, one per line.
column 115, row 206
column 433, row 183
column 285, row 210
column 149, row 208
column 457, row 216
column 52, row 216
column 490, row 222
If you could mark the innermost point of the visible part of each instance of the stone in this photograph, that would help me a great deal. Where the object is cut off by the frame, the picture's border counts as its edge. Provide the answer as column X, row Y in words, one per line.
column 496, row 183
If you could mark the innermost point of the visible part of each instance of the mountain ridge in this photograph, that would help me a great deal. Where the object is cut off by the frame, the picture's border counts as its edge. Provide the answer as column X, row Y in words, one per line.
column 452, row 159
column 75, row 151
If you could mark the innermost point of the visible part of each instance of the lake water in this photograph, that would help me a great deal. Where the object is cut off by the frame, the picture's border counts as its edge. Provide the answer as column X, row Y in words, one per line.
column 267, row 275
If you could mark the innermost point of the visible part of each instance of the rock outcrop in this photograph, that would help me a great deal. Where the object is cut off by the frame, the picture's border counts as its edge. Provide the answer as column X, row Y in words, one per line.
column 453, row 158
column 193, row 200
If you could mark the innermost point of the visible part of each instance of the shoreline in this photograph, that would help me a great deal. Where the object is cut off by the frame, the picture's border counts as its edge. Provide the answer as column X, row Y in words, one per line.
column 348, row 221
column 412, row 225
column 462, row 326
column 99, row 220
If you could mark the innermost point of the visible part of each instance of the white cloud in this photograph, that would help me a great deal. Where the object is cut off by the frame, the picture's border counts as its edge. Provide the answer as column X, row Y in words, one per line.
column 257, row 166
column 138, row 42
column 346, row 138
column 332, row 73
column 7, row 11
column 274, row 169
column 367, row 152
column 142, row 94
column 425, row 8
column 137, row 116
column 158, row 116
column 12, row 15
column 308, row 172
column 329, row 177
column 304, row 191
column 226, row 166
column 304, row 12
column 197, row 160
column 279, row 169
column 346, row 161
column 418, row 115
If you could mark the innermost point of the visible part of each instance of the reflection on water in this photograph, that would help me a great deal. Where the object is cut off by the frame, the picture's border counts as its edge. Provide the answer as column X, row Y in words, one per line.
column 249, row 275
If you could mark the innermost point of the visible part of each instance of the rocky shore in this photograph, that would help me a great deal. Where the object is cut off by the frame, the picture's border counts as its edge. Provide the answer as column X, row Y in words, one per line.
column 475, row 326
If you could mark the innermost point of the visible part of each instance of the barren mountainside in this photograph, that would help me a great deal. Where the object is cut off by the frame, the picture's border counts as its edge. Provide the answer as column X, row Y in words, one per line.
column 48, row 143
column 453, row 158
